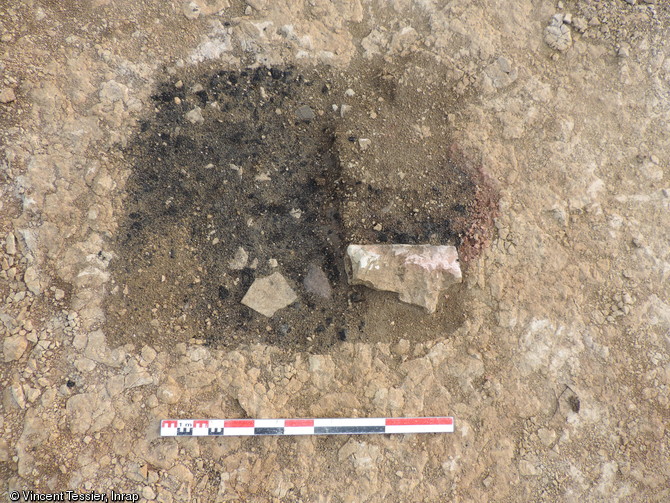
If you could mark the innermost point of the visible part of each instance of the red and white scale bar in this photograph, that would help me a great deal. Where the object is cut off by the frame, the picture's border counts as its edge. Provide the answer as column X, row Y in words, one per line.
column 340, row 426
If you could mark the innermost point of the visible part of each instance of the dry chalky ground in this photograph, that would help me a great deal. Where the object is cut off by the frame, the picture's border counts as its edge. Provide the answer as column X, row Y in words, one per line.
column 158, row 158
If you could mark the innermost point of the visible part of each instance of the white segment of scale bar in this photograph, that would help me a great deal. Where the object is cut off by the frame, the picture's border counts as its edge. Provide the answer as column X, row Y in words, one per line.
column 420, row 428
column 238, row 432
column 299, row 430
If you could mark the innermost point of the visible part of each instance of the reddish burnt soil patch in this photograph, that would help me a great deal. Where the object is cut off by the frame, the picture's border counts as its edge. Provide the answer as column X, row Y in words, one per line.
column 477, row 229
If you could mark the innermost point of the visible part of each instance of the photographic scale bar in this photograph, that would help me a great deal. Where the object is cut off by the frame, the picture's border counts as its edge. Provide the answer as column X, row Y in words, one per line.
column 340, row 426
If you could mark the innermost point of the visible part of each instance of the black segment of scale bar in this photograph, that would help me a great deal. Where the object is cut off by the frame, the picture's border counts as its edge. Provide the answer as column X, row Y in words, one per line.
column 342, row 430
column 268, row 431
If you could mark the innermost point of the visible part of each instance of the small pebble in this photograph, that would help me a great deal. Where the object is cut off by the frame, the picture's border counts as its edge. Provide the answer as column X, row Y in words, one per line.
column 316, row 282
column 7, row 95
column 239, row 261
column 305, row 113
column 10, row 243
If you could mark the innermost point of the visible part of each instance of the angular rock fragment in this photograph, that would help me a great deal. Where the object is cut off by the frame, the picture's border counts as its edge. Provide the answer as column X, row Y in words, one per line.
column 7, row 95
column 557, row 35
column 239, row 261
column 268, row 295
column 10, row 244
column 316, row 282
column 195, row 116
column 305, row 113
column 14, row 347
column 30, row 278
column 418, row 273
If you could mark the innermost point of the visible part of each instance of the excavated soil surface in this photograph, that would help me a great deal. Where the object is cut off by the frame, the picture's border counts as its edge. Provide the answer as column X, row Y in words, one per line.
column 252, row 172
column 531, row 134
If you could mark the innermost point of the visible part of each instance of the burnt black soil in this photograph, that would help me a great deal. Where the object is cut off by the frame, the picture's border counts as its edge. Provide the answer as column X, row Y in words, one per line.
column 257, row 175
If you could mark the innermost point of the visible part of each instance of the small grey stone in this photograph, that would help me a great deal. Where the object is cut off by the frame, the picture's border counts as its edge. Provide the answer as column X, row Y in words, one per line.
column 580, row 24
column 316, row 282
column 268, row 295
column 557, row 35
column 305, row 113
column 10, row 244
column 169, row 394
column 148, row 493
column 137, row 378
column 7, row 95
column 195, row 116
column 546, row 436
column 14, row 347
column 191, row 10
column 31, row 394
column 148, row 354
column 239, row 261
column 18, row 395
column 112, row 91
column 84, row 365
column 31, row 280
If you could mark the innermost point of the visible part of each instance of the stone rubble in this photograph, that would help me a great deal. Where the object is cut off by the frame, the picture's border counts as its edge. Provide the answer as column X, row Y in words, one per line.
column 10, row 244
column 239, row 260
column 267, row 295
column 557, row 35
column 14, row 347
column 316, row 282
column 305, row 113
column 7, row 95
column 418, row 273
column 195, row 116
